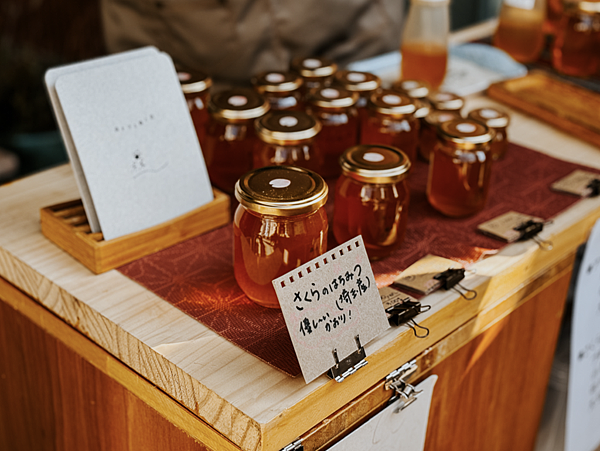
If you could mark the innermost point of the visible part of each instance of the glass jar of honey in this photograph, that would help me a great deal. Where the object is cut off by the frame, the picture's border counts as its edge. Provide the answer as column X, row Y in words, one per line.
column 195, row 87
column 576, row 49
column 287, row 139
column 392, row 122
column 460, row 168
column 429, row 131
column 316, row 72
column 335, row 109
column 230, row 135
column 279, row 225
column 371, row 198
column 520, row 31
column 281, row 89
column 445, row 101
column 498, row 121
column 415, row 89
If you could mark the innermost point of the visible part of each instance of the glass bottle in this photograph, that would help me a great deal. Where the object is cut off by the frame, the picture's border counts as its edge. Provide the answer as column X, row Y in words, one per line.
column 335, row 109
column 497, row 121
column 372, row 197
column 281, row 89
column 424, row 45
column 279, row 225
column 195, row 87
column 317, row 72
column 460, row 168
column 287, row 139
column 520, row 29
column 392, row 122
column 429, row 130
column 230, row 135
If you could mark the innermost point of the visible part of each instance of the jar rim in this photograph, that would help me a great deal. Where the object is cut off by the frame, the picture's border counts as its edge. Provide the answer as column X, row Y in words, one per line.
column 358, row 81
column 287, row 127
column 333, row 97
column 289, row 81
column 415, row 89
column 238, row 104
column 322, row 67
column 375, row 164
column 492, row 117
column 466, row 134
column 193, row 82
column 442, row 100
column 392, row 103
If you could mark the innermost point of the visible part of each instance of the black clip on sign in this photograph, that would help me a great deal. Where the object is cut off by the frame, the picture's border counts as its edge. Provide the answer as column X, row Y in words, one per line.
column 594, row 187
column 530, row 230
column 405, row 313
column 344, row 368
column 450, row 279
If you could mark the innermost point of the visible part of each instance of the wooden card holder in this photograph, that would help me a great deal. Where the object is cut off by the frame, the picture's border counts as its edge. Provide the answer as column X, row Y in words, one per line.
column 66, row 226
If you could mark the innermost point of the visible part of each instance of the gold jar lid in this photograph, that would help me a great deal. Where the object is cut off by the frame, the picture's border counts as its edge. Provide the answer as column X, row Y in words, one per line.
column 437, row 117
column 370, row 163
column 358, row 81
column 193, row 82
column 491, row 117
column 313, row 67
column 445, row 101
column 287, row 127
column 414, row 89
column 281, row 191
column 423, row 108
column 392, row 103
column 466, row 134
column 333, row 97
column 237, row 104
column 276, row 81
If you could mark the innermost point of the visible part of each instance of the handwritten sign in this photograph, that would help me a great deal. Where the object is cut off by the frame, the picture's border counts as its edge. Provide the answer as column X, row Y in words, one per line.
column 328, row 304
column 583, row 401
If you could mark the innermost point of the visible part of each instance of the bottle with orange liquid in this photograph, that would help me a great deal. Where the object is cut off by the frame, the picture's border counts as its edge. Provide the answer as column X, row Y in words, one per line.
column 520, row 29
column 425, row 42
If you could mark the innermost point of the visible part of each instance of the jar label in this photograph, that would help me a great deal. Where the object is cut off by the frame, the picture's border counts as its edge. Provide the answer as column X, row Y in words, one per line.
column 330, row 93
column 503, row 226
column 237, row 100
column 288, row 121
column 466, row 128
column 280, row 183
column 577, row 182
column 392, row 99
column 356, row 77
column 373, row 157
column 488, row 113
column 274, row 77
column 312, row 63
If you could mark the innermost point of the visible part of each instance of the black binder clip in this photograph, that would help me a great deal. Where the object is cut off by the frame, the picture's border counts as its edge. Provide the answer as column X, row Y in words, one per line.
column 594, row 187
column 350, row 365
column 405, row 312
column 529, row 230
column 450, row 279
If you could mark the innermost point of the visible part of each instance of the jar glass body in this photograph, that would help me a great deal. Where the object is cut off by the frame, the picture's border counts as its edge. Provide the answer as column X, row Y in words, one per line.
column 228, row 151
column 378, row 212
column 458, row 179
column 499, row 143
column 304, row 154
column 339, row 132
column 197, row 104
column 520, row 29
column 400, row 132
column 576, row 49
column 266, row 247
column 424, row 45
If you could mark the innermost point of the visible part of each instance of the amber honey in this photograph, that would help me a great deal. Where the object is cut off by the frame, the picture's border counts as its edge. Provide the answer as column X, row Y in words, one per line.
column 279, row 225
column 195, row 87
column 460, row 168
column 497, row 121
column 371, row 198
column 428, row 136
column 520, row 33
column 424, row 61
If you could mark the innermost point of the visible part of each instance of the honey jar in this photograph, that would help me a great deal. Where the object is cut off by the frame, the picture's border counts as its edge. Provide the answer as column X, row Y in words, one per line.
column 316, row 72
column 415, row 89
column 392, row 122
column 460, row 168
column 429, row 131
column 335, row 108
column 287, row 139
column 279, row 225
column 498, row 121
column 371, row 198
column 230, row 135
column 281, row 89
column 195, row 87
column 445, row 101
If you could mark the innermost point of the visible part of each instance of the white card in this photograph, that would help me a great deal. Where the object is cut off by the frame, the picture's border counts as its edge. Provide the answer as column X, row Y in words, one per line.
column 136, row 143
column 329, row 301
column 583, row 400
column 390, row 430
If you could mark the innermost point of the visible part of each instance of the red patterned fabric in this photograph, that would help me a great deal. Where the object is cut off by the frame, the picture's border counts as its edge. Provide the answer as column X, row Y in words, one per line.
column 196, row 276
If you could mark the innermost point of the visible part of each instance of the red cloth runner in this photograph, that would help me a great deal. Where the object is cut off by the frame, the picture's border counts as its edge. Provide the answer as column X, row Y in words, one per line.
column 196, row 276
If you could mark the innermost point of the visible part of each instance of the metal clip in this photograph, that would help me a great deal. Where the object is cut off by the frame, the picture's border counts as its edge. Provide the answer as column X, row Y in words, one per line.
column 530, row 230
column 405, row 393
column 450, row 279
column 294, row 446
column 594, row 187
column 405, row 312
column 349, row 365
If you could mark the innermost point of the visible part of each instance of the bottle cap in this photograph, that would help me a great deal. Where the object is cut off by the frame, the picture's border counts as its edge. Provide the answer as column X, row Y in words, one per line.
column 275, row 81
column 313, row 67
column 392, row 103
column 361, row 82
column 193, row 81
column 333, row 97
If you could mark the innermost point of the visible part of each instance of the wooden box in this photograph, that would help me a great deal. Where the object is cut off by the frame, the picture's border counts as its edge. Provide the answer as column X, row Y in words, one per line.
column 66, row 225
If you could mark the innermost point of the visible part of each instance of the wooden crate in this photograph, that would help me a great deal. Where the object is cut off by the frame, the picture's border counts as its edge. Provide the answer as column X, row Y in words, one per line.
column 66, row 225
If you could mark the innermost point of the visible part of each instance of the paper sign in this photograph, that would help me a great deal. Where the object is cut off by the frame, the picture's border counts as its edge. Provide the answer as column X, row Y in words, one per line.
column 419, row 276
column 577, row 182
column 327, row 303
column 503, row 226
column 583, row 400
column 389, row 430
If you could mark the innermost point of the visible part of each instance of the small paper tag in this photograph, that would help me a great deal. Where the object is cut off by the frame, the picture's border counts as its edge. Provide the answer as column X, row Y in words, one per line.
column 503, row 226
column 391, row 297
column 419, row 277
column 576, row 183
column 327, row 303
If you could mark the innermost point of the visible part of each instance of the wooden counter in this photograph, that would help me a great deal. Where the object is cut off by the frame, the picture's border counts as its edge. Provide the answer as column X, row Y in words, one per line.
column 148, row 375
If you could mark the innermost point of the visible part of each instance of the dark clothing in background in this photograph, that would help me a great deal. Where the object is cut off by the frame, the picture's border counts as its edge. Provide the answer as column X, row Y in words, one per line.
column 234, row 39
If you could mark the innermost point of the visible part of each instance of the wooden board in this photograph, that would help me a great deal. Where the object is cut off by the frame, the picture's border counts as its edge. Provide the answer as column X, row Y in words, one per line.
column 571, row 108
column 67, row 226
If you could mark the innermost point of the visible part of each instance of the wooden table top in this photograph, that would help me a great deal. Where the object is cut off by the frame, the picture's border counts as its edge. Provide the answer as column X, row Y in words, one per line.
column 245, row 400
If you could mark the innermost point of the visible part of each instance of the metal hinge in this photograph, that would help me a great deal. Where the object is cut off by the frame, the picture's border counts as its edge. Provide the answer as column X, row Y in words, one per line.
column 405, row 393
column 294, row 446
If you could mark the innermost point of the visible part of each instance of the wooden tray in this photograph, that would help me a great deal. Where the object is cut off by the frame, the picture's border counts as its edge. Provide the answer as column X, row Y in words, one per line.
column 571, row 108
column 66, row 225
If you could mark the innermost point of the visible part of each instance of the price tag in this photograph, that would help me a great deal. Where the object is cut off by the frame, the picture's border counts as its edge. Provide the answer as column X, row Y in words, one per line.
column 577, row 182
column 504, row 226
column 419, row 276
column 328, row 304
